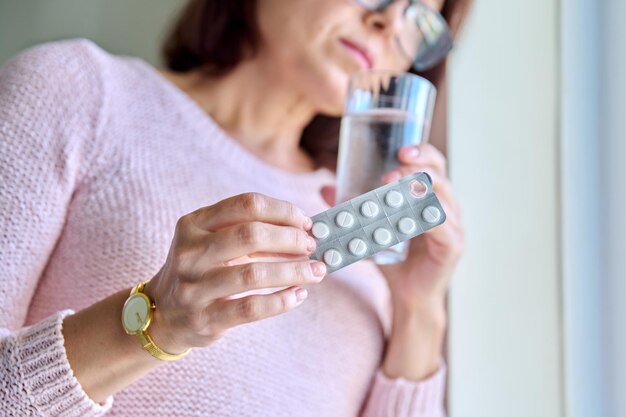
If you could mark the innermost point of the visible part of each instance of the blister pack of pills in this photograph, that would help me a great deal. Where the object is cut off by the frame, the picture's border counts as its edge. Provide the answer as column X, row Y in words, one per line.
column 376, row 220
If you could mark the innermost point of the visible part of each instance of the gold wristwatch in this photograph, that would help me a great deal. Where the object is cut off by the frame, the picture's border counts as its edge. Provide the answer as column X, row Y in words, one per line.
column 136, row 318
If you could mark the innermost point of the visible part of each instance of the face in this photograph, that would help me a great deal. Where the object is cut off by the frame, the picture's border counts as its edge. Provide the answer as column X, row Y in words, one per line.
column 316, row 45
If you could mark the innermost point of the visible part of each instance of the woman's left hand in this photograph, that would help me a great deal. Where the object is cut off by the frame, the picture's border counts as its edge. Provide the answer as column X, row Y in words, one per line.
column 420, row 283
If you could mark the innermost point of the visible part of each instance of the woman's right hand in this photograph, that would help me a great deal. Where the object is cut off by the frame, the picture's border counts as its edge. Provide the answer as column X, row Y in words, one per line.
column 210, row 260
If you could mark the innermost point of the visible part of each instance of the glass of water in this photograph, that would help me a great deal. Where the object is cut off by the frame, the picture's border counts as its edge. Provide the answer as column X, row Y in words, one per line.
column 384, row 111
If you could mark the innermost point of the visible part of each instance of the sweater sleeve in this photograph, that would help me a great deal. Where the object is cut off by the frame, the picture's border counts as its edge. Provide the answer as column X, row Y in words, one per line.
column 399, row 397
column 50, row 105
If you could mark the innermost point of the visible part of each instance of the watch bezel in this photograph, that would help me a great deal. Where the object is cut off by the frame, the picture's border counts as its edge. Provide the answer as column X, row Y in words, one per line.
column 148, row 303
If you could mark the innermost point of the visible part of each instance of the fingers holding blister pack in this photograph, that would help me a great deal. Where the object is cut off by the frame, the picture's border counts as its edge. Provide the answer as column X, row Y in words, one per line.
column 376, row 220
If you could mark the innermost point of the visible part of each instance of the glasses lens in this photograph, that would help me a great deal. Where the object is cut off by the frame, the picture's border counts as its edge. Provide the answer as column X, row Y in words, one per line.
column 374, row 5
column 425, row 38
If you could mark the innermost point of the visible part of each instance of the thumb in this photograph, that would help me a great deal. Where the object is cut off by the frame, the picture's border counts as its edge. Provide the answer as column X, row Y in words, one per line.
column 328, row 194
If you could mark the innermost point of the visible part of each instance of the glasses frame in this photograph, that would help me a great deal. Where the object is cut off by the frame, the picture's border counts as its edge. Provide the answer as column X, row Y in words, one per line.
column 439, row 50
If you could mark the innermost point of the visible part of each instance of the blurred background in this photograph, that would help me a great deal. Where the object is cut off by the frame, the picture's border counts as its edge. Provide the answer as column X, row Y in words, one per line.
column 536, row 92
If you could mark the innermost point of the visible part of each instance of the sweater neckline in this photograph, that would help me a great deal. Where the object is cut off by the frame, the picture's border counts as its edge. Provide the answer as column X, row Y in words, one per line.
column 235, row 155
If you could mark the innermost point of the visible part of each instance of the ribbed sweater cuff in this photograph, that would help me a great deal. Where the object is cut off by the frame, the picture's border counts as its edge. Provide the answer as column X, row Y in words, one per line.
column 399, row 397
column 46, row 374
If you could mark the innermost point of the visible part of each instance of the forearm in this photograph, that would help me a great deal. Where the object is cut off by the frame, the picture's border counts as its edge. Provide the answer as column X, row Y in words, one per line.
column 102, row 356
column 415, row 345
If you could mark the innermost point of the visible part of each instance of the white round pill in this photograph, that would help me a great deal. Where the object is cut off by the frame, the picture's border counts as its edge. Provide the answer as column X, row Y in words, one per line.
column 382, row 236
column 406, row 225
column 357, row 247
column 344, row 219
column 320, row 230
column 431, row 214
column 332, row 257
column 394, row 199
column 369, row 209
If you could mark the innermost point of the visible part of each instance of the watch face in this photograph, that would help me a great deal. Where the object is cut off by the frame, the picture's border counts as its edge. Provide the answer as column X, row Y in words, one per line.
column 136, row 314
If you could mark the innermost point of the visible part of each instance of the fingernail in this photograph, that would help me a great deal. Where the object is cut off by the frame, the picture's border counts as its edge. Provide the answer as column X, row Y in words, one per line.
column 308, row 223
column 301, row 294
column 318, row 268
column 413, row 152
column 310, row 244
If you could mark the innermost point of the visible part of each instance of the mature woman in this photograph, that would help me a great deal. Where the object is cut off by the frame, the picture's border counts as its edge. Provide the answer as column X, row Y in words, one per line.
column 116, row 176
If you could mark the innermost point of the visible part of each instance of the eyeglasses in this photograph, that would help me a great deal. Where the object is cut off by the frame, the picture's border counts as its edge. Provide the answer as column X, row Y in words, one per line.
column 424, row 38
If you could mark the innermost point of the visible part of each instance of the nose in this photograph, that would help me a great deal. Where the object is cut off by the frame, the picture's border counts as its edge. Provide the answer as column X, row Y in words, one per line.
column 388, row 21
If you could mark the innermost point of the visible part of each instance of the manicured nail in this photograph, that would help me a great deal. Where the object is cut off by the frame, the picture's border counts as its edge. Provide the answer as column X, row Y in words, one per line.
column 301, row 294
column 318, row 268
column 310, row 244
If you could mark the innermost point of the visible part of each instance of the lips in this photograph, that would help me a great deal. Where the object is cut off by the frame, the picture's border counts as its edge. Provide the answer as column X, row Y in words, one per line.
column 359, row 52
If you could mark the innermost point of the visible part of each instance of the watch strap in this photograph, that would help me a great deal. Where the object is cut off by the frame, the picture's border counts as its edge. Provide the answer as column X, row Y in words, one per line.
column 146, row 341
column 148, row 344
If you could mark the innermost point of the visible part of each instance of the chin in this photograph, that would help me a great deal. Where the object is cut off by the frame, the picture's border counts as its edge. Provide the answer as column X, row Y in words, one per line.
column 330, row 92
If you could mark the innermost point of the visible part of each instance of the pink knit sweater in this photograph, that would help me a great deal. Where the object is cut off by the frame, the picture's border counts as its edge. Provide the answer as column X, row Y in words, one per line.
column 99, row 156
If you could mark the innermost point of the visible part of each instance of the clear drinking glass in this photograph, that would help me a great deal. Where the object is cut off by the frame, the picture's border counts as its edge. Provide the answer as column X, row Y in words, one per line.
column 384, row 111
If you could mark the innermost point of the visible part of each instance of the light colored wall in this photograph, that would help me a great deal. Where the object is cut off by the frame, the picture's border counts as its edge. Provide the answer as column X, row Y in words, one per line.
column 593, row 151
column 582, row 202
column 613, row 155
column 133, row 27
column 505, row 337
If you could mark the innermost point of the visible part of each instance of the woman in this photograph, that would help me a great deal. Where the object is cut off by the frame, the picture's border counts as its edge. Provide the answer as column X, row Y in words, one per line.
column 114, row 174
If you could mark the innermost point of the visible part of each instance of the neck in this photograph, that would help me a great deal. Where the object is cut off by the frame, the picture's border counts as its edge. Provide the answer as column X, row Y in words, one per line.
column 255, row 108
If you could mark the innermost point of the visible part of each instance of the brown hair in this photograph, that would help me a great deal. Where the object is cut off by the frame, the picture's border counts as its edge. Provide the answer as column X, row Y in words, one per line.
column 216, row 35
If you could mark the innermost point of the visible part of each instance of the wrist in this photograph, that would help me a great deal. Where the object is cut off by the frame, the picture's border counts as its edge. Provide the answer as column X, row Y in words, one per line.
column 161, row 331
column 138, row 320
column 420, row 292
column 428, row 311
column 415, row 345
column 162, row 337
column 431, row 319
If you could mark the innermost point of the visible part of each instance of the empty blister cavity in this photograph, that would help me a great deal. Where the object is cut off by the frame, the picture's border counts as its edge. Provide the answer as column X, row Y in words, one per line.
column 418, row 189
